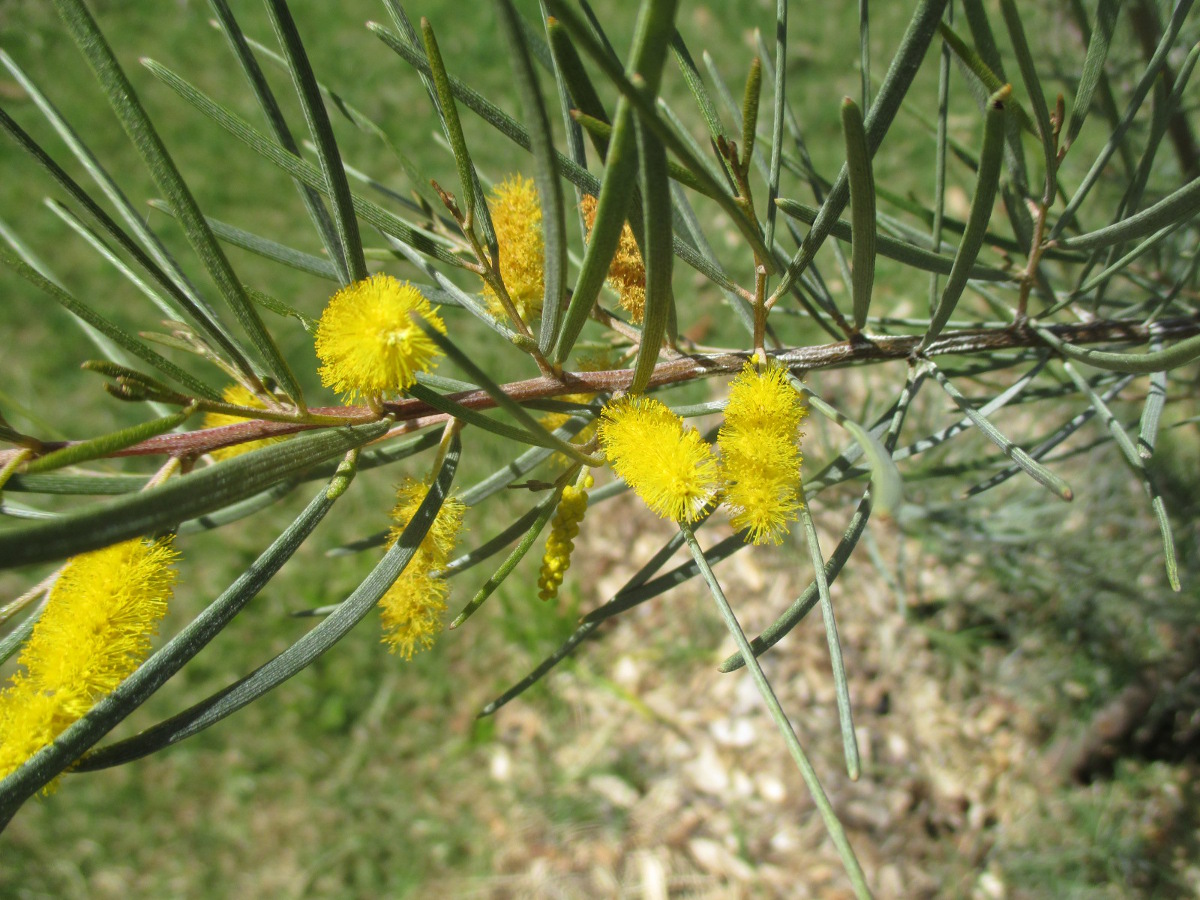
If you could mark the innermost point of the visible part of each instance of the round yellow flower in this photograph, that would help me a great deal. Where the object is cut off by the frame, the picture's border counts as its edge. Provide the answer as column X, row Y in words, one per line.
column 369, row 340
column 671, row 468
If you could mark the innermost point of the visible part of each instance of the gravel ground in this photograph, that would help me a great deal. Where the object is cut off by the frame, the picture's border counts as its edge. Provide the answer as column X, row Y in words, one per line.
column 692, row 791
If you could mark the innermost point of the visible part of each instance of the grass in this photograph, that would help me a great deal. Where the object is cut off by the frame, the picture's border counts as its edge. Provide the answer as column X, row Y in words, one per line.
column 365, row 776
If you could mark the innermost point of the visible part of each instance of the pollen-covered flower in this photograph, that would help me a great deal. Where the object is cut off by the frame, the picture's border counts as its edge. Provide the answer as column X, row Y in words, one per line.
column 368, row 339
column 29, row 720
column 517, row 220
column 94, row 632
column 760, row 453
column 572, row 507
column 411, row 610
column 238, row 395
column 627, row 271
column 671, row 468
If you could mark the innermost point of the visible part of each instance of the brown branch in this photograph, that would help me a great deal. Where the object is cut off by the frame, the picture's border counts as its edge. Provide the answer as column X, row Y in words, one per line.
column 413, row 415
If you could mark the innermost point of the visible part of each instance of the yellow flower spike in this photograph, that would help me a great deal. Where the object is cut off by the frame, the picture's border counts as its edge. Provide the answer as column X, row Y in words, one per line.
column 572, row 507
column 237, row 395
column 442, row 536
column 368, row 339
column 411, row 610
column 94, row 632
column 517, row 220
column 671, row 468
column 627, row 271
column 760, row 453
column 29, row 720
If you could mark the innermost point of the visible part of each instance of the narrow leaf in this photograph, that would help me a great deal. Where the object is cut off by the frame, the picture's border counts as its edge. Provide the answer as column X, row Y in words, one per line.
column 1028, row 464
column 579, row 83
column 1148, row 79
column 107, row 328
column 97, row 447
column 164, row 506
column 896, row 82
column 782, row 723
column 778, row 107
column 336, row 186
column 1107, row 12
column 450, row 120
column 862, row 211
column 1133, row 363
column 750, row 101
column 293, row 165
column 1033, row 86
column 841, row 687
column 154, row 258
column 986, row 182
column 270, row 107
column 652, row 33
column 545, row 510
column 1176, row 208
column 265, row 247
column 162, row 168
column 656, row 223
column 1134, row 461
column 901, row 251
column 886, row 483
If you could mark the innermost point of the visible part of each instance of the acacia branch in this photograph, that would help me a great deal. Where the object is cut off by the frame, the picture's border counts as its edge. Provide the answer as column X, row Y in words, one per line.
column 413, row 415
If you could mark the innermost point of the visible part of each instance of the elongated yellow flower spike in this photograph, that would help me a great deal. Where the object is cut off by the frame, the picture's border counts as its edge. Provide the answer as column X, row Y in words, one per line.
column 368, row 339
column 29, row 720
column 411, row 610
column 94, row 632
column 572, row 507
column 760, row 453
column 671, row 468
column 627, row 271
column 239, row 396
column 517, row 220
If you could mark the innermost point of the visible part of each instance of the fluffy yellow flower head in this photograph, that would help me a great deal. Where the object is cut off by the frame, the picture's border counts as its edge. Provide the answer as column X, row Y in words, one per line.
column 517, row 220
column 239, row 396
column 411, row 610
column 671, row 468
column 760, row 454
column 368, row 339
column 95, row 630
column 627, row 271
